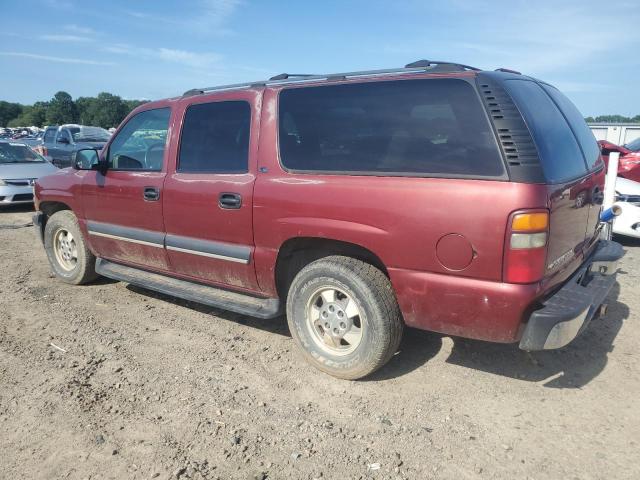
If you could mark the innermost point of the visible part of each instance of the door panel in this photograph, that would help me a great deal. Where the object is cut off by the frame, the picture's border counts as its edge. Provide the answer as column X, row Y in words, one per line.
column 206, row 241
column 122, row 225
column 123, row 207
column 208, row 195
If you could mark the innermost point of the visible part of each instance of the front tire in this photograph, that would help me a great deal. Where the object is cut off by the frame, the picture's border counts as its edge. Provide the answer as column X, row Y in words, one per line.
column 344, row 316
column 68, row 254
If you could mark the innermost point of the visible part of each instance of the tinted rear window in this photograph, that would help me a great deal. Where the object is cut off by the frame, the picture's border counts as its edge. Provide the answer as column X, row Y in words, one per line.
column 559, row 152
column 215, row 138
column 411, row 127
column 576, row 121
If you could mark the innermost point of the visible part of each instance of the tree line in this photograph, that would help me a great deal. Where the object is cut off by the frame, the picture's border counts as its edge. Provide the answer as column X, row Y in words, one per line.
column 106, row 111
column 613, row 119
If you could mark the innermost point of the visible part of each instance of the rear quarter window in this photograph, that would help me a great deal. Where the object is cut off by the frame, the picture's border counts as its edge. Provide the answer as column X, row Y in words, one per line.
column 434, row 127
column 583, row 133
column 560, row 155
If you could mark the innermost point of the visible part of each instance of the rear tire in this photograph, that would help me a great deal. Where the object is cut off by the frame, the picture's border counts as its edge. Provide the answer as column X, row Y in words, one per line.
column 68, row 254
column 344, row 316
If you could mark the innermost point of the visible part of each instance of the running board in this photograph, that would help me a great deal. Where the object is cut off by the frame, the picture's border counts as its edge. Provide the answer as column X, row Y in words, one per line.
column 214, row 297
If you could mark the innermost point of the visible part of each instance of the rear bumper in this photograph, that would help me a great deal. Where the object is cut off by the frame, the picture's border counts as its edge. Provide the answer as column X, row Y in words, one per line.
column 567, row 312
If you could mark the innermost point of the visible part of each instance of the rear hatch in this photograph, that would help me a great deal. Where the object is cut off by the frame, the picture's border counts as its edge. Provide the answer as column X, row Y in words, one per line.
column 571, row 164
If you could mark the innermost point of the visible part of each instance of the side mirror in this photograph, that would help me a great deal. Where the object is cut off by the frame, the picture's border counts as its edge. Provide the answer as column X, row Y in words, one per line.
column 63, row 140
column 87, row 159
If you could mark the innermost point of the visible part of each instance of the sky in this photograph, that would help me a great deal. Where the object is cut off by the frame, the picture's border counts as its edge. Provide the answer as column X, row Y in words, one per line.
column 155, row 49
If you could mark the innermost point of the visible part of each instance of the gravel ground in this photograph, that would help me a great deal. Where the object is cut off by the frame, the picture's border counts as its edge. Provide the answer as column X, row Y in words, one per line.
column 143, row 386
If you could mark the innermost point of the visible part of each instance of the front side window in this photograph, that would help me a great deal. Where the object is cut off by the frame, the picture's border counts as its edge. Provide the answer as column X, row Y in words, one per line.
column 64, row 136
column 50, row 135
column 215, row 138
column 433, row 127
column 141, row 142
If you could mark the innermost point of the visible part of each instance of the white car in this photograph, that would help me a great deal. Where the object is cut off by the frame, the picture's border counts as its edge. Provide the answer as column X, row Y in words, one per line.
column 20, row 167
column 628, row 197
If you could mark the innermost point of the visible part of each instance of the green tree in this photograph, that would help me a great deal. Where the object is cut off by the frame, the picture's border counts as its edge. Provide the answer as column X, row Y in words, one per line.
column 62, row 109
column 85, row 106
column 107, row 110
column 9, row 111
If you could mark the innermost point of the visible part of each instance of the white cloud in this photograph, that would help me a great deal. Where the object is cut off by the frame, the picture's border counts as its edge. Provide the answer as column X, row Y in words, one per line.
column 210, row 18
column 58, row 4
column 183, row 57
column 76, row 29
column 65, row 38
column 191, row 59
column 48, row 58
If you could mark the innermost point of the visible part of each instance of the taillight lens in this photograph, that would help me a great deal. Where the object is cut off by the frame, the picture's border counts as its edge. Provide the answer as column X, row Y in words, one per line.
column 526, row 247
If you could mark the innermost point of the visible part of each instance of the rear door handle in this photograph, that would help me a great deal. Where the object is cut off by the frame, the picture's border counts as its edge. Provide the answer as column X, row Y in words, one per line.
column 151, row 194
column 230, row 201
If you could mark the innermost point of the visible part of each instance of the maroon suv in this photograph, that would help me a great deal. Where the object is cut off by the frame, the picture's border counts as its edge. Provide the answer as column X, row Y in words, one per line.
column 436, row 196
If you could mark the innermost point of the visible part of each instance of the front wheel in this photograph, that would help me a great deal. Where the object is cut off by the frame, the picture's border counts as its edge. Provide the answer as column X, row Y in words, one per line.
column 68, row 254
column 344, row 316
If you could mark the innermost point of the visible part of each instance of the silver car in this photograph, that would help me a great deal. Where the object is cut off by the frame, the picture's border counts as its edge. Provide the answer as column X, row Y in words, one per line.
column 20, row 167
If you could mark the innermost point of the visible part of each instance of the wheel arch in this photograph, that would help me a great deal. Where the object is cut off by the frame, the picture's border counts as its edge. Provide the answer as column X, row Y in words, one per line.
column 48, row 208
column 297, row 252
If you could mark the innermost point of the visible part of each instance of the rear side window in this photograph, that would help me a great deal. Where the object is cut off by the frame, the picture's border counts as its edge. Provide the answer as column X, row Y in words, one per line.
column 49, row 135
column 559, row 152
column 412, row 127
column 215, row 138
column 576, row 121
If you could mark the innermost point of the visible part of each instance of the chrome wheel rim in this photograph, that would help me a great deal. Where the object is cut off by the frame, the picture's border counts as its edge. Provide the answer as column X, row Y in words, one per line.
column 65, row 249
column 335, row 321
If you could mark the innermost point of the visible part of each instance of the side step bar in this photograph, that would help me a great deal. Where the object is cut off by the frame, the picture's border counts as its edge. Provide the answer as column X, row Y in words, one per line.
column 214, row 297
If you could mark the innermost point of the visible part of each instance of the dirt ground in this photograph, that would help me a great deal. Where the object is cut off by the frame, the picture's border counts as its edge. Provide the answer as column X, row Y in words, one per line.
column 152, row 387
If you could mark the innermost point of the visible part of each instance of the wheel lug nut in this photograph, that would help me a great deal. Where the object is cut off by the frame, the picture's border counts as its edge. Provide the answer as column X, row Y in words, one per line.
column 343, row 325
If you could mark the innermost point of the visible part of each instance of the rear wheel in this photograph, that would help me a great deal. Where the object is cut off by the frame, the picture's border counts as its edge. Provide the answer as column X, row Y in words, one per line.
column 68, row 254
column 343, row 315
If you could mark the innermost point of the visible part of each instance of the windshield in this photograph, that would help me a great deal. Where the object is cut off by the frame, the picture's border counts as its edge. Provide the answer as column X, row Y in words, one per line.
column 634, row 146
column 89, row 134
column 18, row 153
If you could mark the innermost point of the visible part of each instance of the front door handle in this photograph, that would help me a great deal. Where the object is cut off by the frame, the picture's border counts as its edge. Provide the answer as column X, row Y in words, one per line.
column 230, row 201
column 151, row 194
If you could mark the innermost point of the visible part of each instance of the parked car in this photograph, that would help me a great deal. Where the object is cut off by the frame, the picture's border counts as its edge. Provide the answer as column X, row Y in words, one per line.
column 33, row 139
column 60, row 143
column 434, row 196
column 628, row 198
column 629, row 164
column 19, row 168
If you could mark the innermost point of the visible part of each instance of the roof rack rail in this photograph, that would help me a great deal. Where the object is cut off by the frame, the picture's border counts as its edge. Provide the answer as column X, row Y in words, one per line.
column 508, row 70
column 286, row 76
column 421, row 66
column 429, row 63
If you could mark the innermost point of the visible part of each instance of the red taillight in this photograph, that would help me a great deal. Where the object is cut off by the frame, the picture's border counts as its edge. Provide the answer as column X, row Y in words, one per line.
column 526, row 246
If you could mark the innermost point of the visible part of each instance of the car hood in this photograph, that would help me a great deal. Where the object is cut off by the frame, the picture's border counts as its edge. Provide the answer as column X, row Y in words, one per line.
column 627, row 187
column 26, row 170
